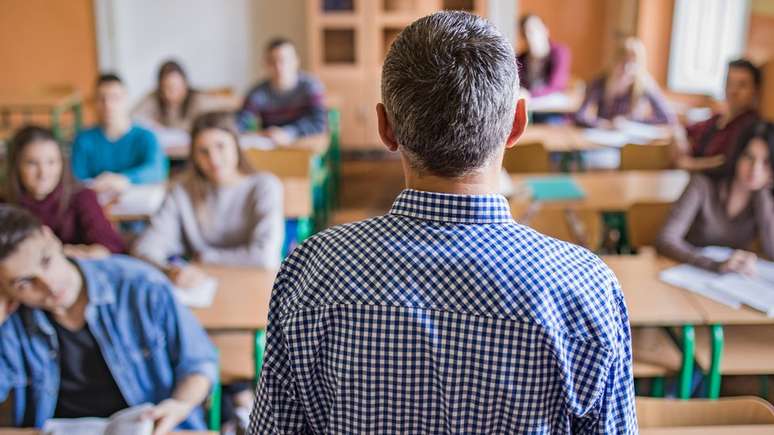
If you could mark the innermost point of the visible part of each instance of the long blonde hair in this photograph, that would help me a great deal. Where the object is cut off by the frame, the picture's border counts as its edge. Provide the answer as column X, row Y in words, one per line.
column 631, row 47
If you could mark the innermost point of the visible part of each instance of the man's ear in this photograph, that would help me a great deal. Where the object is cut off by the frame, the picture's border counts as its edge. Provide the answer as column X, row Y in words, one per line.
column 385, row 128
column 519, row 123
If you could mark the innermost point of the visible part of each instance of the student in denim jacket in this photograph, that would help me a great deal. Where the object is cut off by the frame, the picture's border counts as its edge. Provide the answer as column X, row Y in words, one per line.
column 85, row 338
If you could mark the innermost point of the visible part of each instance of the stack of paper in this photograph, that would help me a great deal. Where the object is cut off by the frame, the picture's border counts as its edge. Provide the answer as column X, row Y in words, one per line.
column 555, row 102
column 626, row 132
column 731, row 289
column 129, row 421
column 256, row 141
column 200, row 296
column 139, row 200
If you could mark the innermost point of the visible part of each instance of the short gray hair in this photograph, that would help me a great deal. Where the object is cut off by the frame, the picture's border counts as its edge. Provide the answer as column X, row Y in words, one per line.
column 449, row 86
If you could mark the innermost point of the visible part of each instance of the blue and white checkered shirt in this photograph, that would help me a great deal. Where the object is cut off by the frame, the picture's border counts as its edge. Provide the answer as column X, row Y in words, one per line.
column 445, row 316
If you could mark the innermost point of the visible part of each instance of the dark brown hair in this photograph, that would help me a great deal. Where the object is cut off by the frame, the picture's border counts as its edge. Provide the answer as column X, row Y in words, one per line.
column 278, row 41
column 194, row 178
column 759, row 130
column 172, row 67
column 754, row 71
column 24, row 137
column 16, row 225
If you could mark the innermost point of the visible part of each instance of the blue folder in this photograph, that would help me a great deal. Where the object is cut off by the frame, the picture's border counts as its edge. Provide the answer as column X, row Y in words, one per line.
column 559, row 188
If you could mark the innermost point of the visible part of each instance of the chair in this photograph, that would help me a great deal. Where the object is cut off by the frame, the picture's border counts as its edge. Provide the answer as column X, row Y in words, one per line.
column 644, row 222
column 582, row 227
column 527, row 158
column 650, row 157
column 652, row 412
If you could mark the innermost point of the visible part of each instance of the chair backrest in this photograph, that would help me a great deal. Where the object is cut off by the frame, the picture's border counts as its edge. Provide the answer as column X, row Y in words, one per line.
column 653, row 412
column 646, row 157
column 581, row 227
column 644, row 221
column 282, row 162
column 528, row 157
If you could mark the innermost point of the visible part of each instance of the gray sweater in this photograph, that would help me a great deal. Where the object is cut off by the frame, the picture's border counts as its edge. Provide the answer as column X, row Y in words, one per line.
column 241, row 224
column 699, row 219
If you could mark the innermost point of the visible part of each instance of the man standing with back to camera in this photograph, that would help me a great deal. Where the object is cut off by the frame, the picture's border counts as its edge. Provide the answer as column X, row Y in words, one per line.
column 444, row 315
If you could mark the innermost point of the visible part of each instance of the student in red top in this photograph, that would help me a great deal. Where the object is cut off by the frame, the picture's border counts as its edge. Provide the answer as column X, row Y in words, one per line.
column 544, row 67
column 39, row 179
column 706, row 144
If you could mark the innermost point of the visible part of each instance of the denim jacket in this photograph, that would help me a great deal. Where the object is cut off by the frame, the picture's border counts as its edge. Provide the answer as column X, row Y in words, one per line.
column 149, row 341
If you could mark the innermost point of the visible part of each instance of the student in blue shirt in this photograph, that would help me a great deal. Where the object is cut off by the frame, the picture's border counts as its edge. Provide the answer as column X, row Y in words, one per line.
column 87, row 338
column 115, row 153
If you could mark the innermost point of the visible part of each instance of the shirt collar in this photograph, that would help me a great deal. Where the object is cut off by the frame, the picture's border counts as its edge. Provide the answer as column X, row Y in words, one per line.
column 96, row 283
column 451, row 208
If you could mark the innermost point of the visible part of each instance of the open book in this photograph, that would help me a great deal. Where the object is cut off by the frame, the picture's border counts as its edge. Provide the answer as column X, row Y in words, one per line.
column 731, row 289
column 626, row 132
column 125, row 422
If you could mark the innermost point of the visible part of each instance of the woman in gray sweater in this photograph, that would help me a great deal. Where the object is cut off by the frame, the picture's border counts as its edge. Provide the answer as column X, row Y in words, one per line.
column 219, row 212
column 733, row 208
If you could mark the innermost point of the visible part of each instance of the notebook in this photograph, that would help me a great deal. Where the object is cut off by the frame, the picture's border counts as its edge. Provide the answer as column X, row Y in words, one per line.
column 731, row 289
column 124, row 422
column 139, row 200
column 558, row 188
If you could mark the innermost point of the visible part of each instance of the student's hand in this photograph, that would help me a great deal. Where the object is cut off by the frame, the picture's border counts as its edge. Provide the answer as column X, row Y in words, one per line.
column 186, row 276
column 278, row 136
column 94, row 251
column 168, row 414
column 7, row 306
column 741, row 262
column 109, row 182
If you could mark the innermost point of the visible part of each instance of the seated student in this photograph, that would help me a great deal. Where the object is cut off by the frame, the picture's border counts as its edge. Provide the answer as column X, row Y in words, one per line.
column 544, row 67
column 708, row 142
column 626, row 90
column 290, row 103
column 115, row 153
column 87, row 338
column 732, row 208
column 174, row 104
column 220, row 211
column 40, row 181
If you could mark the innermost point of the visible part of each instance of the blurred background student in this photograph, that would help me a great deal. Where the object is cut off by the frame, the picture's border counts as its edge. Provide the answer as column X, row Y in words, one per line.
column 544, row 67
column 39, row 179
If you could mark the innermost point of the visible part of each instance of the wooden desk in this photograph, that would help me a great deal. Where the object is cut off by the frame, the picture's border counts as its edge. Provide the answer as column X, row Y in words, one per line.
column 650, row 301
column 54, row 102
column 760, row 429
column 557, row 138
column 242, row 300
column 614, row 190
column 316, row 144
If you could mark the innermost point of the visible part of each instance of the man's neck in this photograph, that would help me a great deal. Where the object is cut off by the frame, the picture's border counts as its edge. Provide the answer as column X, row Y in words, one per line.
column 74, row 317
column 483, row 181
column 115, row 129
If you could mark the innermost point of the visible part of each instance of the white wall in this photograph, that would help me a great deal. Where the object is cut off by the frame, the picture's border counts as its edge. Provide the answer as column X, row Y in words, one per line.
column 211, row 38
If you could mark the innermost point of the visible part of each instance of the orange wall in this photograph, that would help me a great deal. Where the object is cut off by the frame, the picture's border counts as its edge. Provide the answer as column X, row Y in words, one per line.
column 47, row 43
column 581, row 24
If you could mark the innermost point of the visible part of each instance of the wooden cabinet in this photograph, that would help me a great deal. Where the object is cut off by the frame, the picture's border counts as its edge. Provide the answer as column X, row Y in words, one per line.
column 348, row 40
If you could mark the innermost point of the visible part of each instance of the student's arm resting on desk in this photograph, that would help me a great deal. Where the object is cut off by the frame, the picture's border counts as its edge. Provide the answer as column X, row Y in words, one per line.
column 614, row 410
column 264, row 248
column 97, row 229
column 587, row 114
column 191, row 354
column 164, row 236
column 153, row 167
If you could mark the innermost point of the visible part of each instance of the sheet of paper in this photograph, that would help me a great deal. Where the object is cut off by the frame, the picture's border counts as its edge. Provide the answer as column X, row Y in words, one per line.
column 753, row 292
column 129, row 422
column 256, row 141
column 556, row 102
column 608, row 138
column 200, row 296
column 638, row 132
column 144, row 199
column 172, row 137
column 69, row 426
column 697, row 281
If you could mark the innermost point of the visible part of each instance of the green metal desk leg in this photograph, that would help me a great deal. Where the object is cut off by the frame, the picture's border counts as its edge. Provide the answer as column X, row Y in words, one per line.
column 686, row 371
column 303, row 229
column 215, row 402
column 657, row 387
column 713, row 390
column 56, row 124
column 260, row 348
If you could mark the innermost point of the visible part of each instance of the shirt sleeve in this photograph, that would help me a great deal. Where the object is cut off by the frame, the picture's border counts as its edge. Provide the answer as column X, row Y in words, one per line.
column 559, row 75
column 188, row 346
column 615, row 408
column 586, row 116
column 661, row 112
column 12, row 364
column 313, row 120
column 79, row 159
column 264, row 246
column 95, row 226
column 277, row 408
column 671, row 241
column 153, row 165
column 164, row 236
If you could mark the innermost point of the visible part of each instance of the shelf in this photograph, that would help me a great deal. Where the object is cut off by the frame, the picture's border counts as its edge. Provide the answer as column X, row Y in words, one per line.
column 459, row 5
column 336, row 6
column 399, row 6
column 339, row 46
